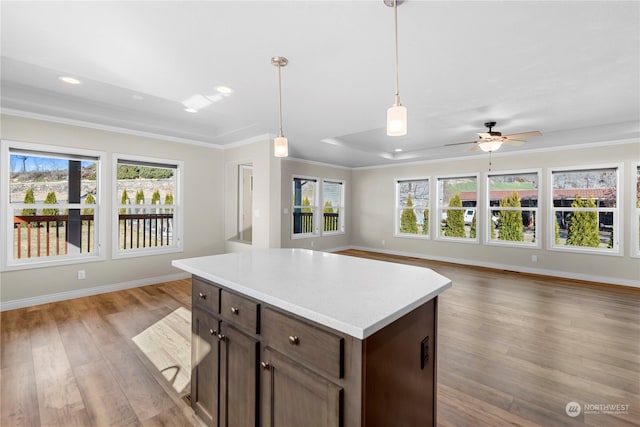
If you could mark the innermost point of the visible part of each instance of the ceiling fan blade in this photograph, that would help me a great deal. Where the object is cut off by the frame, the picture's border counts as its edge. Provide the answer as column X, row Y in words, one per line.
column 460, row 143
column 514, row 142
column 475, row 148
column 484, row 135
column 523, row 135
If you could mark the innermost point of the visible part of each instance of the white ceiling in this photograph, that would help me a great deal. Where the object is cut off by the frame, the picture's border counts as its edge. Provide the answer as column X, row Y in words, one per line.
column 568, row 69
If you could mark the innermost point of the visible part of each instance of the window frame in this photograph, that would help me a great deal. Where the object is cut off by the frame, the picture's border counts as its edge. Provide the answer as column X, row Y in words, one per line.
column 7, row 262
column 539, row 226
column 617, row 212
column 341, row 207
column 314, row 208
column 635, row 209
column 178, row 215
column 398, row 208
column 440, row 209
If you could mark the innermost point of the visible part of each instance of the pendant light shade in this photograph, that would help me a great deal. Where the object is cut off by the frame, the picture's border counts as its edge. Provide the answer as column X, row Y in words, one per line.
column 280, row 143
column 280, row 146
column 397, row 120
column 396, row 114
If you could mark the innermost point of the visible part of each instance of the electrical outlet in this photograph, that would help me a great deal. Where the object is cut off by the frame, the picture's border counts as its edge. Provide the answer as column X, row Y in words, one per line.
column 382, row 242
column 534, row 258
column 82, row 274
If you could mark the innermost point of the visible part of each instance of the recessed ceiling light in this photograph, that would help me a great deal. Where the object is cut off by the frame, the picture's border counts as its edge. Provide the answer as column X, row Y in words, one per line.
column 70, row 80
column 397, row 150
column 224, row 90
column 190, row 110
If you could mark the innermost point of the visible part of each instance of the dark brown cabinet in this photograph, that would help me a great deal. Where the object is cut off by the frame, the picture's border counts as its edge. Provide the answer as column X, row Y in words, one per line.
column 257, row 365
column 238, row 378
column 224, row 356
column 204, row 362
column 293, row 395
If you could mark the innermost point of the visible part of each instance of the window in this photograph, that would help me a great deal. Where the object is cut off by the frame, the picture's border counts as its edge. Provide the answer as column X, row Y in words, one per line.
column 333, row 206
column 636, row 206
column 512, row 213
column 52, row 205
column 305, row 207
column 412, row 207
column 457, row 201
column 585, row 208
column 147, row 218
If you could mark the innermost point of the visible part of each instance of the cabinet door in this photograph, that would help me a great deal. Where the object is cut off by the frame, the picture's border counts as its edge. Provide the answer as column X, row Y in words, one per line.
column 204, row 366
column 293, row 395
column 238, row 378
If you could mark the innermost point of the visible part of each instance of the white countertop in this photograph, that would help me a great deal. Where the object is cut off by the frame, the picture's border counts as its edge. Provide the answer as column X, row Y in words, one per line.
column 356, row 296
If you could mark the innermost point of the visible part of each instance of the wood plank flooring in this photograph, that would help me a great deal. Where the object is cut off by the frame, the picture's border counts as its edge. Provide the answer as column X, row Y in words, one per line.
column 514, row 349
column 97, row 361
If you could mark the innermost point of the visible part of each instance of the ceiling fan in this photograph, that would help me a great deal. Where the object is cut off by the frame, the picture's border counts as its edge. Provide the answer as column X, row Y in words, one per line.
column 491, row 141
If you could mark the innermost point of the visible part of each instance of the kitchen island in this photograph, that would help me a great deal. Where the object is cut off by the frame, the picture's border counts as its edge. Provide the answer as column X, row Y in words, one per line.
column 293, row 337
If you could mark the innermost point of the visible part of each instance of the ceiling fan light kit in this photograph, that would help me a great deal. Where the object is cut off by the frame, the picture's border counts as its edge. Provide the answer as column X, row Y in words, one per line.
column 396, row 114
column 493, row 140
column 280, row 143
column 489, row 146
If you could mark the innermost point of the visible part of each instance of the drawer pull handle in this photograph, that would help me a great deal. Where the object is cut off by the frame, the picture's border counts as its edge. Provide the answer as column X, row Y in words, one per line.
column 213, row 331
column 235, row 310
column 265, row 365
column 293, row 340
column 203, row 295
column 221, row 337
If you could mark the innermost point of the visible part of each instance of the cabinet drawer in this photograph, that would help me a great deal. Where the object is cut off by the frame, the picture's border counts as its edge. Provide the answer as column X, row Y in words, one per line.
column 303, row 341
column 205, row 295
column 241, row 311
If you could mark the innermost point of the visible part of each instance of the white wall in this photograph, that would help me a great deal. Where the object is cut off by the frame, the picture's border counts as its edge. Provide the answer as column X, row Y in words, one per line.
column 266, row 197
column 373, row 198
column 293, row 167
column 202, row 208
column 210, row 211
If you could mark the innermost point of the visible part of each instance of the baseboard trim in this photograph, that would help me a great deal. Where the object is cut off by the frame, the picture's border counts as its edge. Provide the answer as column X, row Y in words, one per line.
column 85, row 292
column 507, row 267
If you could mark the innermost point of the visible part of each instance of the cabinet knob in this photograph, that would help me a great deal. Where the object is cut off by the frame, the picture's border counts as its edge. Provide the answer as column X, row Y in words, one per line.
column 265, row 365
column 203, row 295
column 235, row 310
column 221, row 337
column 293, row 340
column 213, row 331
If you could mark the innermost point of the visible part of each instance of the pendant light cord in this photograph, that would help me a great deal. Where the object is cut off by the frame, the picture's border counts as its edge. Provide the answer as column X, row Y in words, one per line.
column 395, row 13
column 280, row 96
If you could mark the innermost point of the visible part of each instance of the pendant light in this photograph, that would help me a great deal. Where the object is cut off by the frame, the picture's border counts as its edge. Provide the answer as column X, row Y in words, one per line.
column 280, row 143
column 396, row 114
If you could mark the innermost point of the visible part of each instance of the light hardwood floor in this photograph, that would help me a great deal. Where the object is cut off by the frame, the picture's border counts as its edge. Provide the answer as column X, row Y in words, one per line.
column 514, row 349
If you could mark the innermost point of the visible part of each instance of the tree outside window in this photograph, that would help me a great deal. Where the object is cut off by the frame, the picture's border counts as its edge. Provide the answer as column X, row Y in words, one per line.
column 412, row 207
column 457, row 204
column 304, row 209
column 333, row 212
column 46, row 190
column 512, row 213
column 585, row 207
column 142, row 227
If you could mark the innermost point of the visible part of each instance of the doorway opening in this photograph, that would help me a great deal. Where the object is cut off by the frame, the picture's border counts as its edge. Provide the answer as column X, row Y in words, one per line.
column 245, row 202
